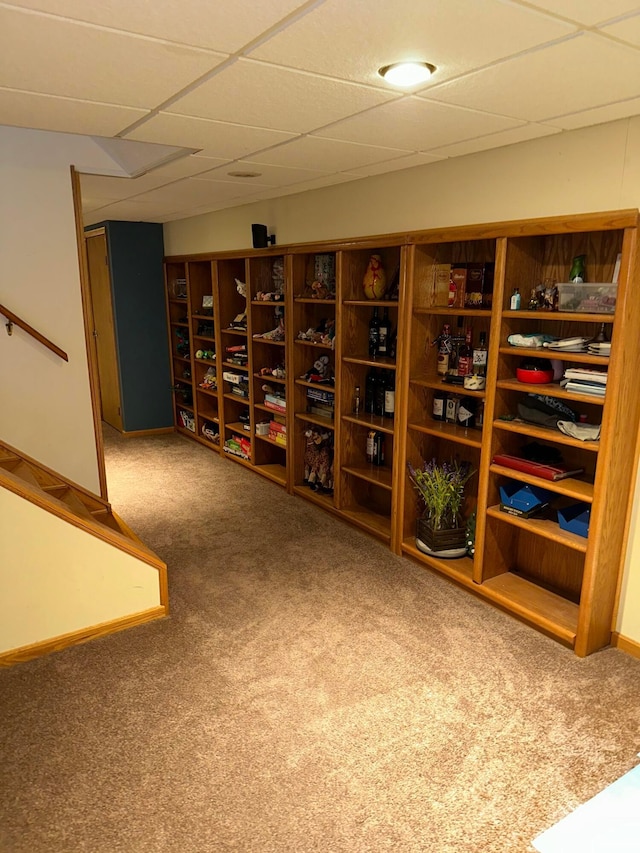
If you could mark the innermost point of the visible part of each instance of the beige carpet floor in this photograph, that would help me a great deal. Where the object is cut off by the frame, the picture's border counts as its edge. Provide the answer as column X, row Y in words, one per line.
column 309, row 692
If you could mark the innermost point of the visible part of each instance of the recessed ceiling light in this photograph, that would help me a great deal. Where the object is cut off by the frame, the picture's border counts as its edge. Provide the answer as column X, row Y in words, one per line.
column 244, row 174
column 407, row 73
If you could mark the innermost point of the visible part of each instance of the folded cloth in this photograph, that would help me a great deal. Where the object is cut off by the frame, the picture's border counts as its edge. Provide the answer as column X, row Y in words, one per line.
column 583, row 432
column 531, row 340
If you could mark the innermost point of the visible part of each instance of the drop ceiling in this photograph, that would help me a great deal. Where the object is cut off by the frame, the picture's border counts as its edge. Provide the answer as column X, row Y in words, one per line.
column 288, row 91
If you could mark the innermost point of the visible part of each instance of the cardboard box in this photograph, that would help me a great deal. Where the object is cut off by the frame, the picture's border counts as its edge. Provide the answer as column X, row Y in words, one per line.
column 479, row 285
column 459, row 278
column 441, row 280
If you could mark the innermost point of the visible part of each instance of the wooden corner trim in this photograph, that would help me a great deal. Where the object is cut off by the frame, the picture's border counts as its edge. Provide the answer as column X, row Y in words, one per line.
column 625, row 644
column 74, row 638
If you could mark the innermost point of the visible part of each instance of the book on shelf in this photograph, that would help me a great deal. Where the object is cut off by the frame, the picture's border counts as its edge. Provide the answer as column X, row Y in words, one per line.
column 537, row 469
column 579, row 387
column 275, row 426
column 278, row 437
column 586, row 374
column 275, row 407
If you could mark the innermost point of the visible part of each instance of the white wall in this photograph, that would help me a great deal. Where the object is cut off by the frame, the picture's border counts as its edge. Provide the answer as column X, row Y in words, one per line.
column 62, row 579
column 583, row 171
column 46, row 405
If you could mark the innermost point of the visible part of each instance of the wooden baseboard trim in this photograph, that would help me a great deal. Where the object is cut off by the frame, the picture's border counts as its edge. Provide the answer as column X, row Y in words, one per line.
column 631, row 647
column 74, row 638
column 139, row 433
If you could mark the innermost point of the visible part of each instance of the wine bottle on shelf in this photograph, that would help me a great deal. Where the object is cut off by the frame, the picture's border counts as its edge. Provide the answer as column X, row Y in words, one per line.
column 439, row 405
column 374, row 333
column 384, row 333
column 465, row 356
column 357, row 404
column 370, row 387
column 577, row 273
column 480, row 356
column 457, row 341
column 390, row 395
column 381, row 385
column 444, row 350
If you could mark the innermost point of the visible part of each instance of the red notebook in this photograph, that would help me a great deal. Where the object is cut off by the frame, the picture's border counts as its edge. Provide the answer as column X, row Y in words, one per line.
column 537, row 469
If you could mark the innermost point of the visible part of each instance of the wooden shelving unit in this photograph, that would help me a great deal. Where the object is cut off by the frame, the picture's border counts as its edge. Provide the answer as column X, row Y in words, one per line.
column 560, row 582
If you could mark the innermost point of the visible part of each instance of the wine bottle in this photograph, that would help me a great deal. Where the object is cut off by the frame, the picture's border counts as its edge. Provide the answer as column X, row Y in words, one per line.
column 444, row 350
column 578, row 273
column 439, row 405
column 465, row 356
column 390, row 395
column 374, row 334
column 480, row 356
column 356, row 405
column 384, row 333
column 379, row 394
column 370, row 386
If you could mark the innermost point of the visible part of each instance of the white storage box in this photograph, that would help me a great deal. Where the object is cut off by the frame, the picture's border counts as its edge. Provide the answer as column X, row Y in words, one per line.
column 587, row 297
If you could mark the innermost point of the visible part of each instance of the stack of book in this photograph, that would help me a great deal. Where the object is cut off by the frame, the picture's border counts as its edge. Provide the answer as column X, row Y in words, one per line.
column 237, row 445
column 585, row 380
column 278, row 430
column 320, row 403
column 538, row 469
column 276, row 403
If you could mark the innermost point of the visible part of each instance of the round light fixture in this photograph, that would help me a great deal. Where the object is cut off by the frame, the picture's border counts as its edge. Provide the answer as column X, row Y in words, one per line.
column 407, row 73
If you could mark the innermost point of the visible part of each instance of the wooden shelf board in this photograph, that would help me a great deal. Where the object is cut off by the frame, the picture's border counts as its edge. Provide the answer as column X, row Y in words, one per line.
column 182, row 358
column 235, row 332
column 206, row 391
column 258, row 340
column 451, row 432
column 210, row 418
column 330, row 388
column 373, row 303
column 461, row 312
column 209, row 361
column 542, row 527
column 311, row 300
column 273, row 471
column 205, row 338
column 237, row 399
column 460, row 570
column 312, row 344
column 570, row 487
column 208, row 317
column 551, row 389
column 372, row 522
column 558, row 355
column 548, row 611
column 271, row 441
column 386, row 363
column 432, row 380
column 546, row 434
column 268, row 410
column 239, row 459
column 176, row 300
column 185, row 407
column 325, row 423
column 271, row 379
column 319, row 498
column 233, row 366
column 267, row 302
column 182, row 325
column 379, row 475
column 237, row 426
column 371, row 422
column 186, row 431
column 560, row 316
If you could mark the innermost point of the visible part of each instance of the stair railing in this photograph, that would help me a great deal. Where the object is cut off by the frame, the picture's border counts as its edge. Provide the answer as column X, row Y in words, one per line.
column 13, row 319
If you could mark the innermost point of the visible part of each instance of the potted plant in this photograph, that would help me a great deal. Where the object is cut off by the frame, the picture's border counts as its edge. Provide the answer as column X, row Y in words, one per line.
column 441, row 530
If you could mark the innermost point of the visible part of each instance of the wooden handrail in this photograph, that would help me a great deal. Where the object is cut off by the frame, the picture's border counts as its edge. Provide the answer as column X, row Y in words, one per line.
column 14, row 319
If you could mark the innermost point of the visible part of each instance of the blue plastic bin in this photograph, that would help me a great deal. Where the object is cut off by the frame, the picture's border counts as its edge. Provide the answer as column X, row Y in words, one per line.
column 575, row 518
column 521, row 496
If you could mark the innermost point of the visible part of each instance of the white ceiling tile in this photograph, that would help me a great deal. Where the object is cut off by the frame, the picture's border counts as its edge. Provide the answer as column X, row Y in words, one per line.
column 58, row 57
column 496, row 140
column 194, row 192
column 129, row 211
column 305, row 186
column 326, row 155
column 395, row 165
column 420, row 124
column 611, row 112
column 628, row 30
column 202, row 23
column 352, row 40
column 121, row 188
column 187, row 167
column 262, row 95
column 47, row 112
column 581, row 73
column 272, row 176
column 587, row 12
column 221, row 140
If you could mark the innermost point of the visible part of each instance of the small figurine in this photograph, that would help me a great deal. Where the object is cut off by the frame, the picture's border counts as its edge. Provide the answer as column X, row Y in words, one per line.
column 241, row 287
column 374, row 282
column 320, row 372
column 319, row 290
column 550, row 296
column 533, row 301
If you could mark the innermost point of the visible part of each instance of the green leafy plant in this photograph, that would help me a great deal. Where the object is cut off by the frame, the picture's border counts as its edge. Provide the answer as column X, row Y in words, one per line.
column 441, row 487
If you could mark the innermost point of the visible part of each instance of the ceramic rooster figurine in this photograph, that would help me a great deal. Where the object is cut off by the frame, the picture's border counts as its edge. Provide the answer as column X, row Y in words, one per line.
column 375, row 279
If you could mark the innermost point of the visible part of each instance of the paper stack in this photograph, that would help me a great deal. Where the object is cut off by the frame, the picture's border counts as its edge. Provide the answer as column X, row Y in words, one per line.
column 585, row 380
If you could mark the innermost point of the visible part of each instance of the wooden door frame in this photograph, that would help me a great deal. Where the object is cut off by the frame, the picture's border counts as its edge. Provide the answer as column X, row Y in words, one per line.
column 90, row 341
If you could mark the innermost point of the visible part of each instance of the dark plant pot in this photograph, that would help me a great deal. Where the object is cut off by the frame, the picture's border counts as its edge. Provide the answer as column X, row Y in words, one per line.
column 449, row 543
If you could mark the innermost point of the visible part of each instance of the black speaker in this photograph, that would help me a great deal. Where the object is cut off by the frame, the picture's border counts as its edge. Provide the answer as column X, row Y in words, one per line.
column 259, row 234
